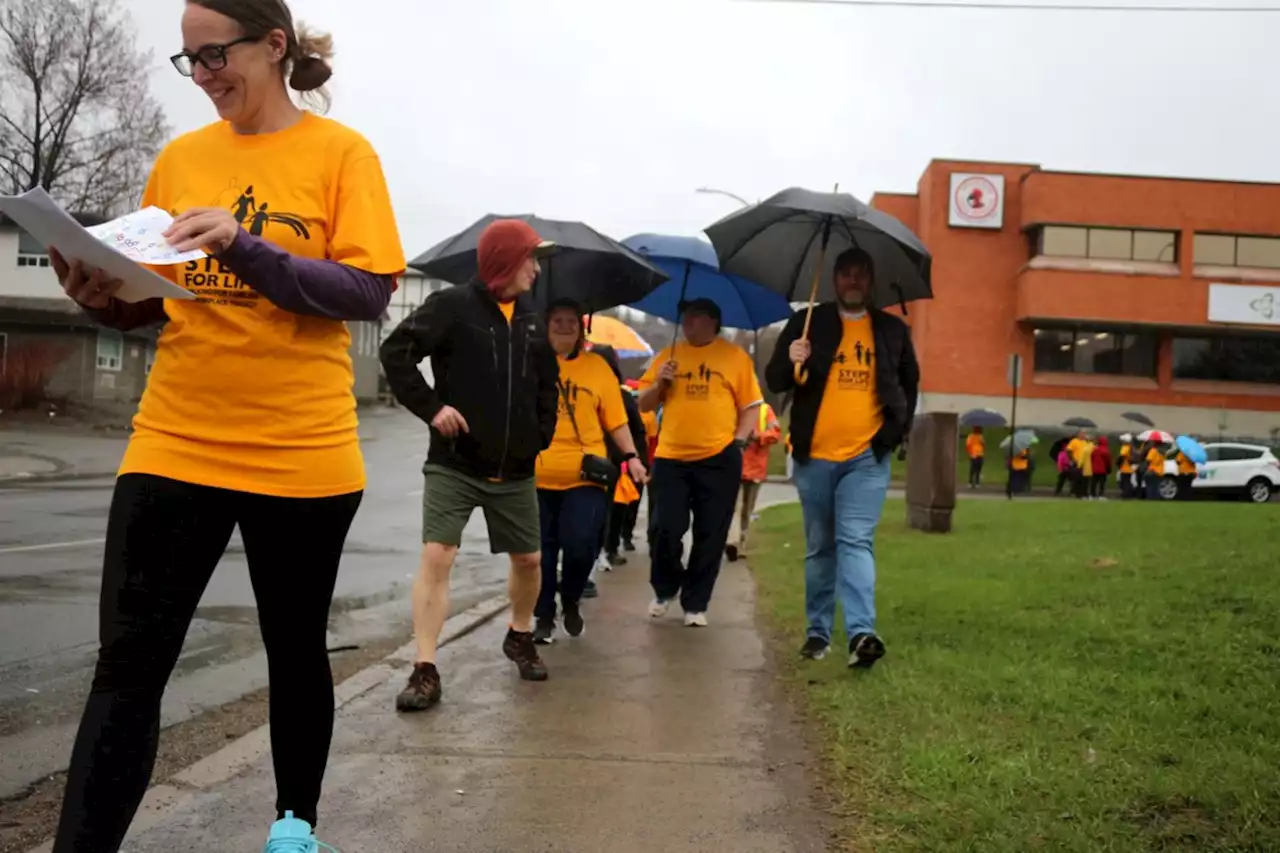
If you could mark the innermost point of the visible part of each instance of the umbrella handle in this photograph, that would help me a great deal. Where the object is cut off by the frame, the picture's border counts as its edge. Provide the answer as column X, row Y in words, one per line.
column 802, row 372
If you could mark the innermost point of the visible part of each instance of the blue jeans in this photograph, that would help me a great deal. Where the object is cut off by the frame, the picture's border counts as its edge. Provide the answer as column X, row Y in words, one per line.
column 842, row 503
column 572, row 522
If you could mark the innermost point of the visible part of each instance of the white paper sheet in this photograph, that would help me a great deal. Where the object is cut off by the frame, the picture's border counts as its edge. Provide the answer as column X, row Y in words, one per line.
column 139, row 236
column 42, row 218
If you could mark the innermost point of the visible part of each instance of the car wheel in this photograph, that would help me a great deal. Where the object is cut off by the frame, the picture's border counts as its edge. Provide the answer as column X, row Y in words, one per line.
column 1168, row 489
column 1258, row 490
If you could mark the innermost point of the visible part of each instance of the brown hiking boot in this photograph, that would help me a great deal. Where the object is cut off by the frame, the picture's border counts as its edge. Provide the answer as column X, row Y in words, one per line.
column 519, row 647
column 423, row 690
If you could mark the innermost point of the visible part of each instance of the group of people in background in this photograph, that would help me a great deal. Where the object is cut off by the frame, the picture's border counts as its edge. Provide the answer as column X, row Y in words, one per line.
column 1085, row 465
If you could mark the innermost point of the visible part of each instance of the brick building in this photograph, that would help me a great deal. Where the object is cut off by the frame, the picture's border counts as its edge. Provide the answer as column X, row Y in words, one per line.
column 1119, row 292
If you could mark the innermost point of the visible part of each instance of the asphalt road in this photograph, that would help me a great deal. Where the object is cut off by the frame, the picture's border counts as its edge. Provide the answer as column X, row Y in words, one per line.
column 50, row 564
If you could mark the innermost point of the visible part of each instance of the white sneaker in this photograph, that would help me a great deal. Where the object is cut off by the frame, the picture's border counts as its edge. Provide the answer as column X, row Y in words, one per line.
column 603, row 564
column 695, row 620
column 658, row 608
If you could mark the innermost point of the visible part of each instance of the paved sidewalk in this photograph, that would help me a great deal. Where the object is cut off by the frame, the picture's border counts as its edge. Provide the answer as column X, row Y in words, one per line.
column 649, row 737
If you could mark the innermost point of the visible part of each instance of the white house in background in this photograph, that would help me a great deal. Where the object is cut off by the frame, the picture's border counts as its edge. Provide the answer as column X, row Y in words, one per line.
column 413, row 290
column 43, row 330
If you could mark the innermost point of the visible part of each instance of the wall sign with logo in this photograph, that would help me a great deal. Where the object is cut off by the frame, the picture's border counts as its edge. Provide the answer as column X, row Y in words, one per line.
column 1242, row 303
column 977, row 200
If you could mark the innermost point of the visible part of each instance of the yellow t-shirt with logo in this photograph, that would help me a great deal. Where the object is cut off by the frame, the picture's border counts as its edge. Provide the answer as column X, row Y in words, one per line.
column 850, row 414
column 244, row 395
column 1155, row 462
column 592, row 388
column 700, row 413
column 1185, row 465
column 1021, row 461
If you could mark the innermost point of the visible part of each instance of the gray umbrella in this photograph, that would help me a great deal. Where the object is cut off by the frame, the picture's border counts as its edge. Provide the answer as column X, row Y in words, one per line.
column 784, row 240
column 596, row 271
column 1082, row 423
column 1138, row 418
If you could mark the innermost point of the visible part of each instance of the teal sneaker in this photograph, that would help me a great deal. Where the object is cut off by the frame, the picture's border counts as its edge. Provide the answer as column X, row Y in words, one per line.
column 291, row 835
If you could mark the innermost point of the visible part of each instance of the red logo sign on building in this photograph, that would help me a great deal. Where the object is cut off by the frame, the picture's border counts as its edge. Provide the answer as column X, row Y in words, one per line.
column 977, row 201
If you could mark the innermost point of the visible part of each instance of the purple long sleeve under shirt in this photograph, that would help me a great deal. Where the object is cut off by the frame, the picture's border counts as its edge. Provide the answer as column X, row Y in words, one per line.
column 310, row 286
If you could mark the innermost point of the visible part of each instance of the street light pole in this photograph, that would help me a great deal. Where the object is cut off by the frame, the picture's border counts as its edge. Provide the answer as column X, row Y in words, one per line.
column 713, row 191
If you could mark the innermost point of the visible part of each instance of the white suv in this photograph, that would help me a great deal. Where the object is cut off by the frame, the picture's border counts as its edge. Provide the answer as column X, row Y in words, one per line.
column 1248, row 470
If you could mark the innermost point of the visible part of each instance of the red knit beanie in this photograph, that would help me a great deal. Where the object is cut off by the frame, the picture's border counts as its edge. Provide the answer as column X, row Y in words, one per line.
column 504, row 245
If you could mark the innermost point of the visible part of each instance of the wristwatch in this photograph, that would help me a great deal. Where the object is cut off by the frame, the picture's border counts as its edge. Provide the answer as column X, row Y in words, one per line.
column 627, row 457
column 740, row 443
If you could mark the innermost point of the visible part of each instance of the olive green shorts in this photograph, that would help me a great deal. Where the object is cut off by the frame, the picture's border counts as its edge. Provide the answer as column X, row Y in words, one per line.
column 510, row 510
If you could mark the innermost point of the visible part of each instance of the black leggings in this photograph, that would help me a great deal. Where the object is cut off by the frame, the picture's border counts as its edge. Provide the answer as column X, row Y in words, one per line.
column 164, row 539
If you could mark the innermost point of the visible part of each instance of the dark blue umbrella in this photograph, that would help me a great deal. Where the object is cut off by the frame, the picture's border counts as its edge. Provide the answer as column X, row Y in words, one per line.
column 983, row 418
column 693, row 272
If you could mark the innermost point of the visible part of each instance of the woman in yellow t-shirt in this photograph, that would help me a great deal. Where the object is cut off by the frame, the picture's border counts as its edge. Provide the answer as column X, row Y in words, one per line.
column 1186, row 475
column 574, row 472
column 1154, row 461
column 976, row 446
column 248, row 419
column 1125, row 463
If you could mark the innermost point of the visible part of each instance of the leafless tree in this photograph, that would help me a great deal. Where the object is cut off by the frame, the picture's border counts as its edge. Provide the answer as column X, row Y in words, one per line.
column 76, row 113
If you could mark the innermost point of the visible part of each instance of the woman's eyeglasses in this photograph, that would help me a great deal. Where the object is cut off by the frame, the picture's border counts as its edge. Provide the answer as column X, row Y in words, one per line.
column 212, row 56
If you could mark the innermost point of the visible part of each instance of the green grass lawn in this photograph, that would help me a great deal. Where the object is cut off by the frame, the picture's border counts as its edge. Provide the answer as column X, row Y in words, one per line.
column 1061, row 677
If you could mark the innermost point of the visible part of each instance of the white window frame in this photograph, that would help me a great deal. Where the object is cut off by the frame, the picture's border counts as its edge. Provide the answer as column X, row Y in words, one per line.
column 107, row 360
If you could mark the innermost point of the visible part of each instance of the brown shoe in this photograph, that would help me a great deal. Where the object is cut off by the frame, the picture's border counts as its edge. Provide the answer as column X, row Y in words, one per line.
column 519, row 647
column 423, row 690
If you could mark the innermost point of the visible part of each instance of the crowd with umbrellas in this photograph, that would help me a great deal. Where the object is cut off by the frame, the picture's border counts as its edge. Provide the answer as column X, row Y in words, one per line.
column 1084, row 459
column 746, row 273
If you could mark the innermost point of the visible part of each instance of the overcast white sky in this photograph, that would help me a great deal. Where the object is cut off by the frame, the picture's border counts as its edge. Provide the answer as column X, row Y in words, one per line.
column 614, row 111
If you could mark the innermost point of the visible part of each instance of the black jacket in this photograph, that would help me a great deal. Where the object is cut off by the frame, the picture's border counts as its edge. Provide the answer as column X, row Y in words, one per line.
column 897, row 375
column 501, row 378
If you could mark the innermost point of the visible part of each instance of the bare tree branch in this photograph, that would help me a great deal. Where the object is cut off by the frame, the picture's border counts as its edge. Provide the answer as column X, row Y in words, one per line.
column 76, row 114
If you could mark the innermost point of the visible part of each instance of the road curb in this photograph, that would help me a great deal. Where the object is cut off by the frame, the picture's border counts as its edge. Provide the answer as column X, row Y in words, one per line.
column 181, row 790
column 24, row 478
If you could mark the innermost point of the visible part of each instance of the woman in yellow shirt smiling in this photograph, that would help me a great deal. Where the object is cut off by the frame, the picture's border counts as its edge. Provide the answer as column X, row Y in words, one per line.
column 574, row 472
column 247, row 420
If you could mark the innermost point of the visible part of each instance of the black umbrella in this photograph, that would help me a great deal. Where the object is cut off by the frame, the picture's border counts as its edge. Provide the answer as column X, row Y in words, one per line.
column 1138, row 418
column 983, row 418
column 786, row 241
column 1082, row 423
column 595, row 270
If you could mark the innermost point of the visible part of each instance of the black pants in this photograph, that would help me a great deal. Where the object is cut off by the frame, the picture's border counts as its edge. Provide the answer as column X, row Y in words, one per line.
column 571, row 522
column 1126, row 486
column 164, row 539
column 1098, row 487
column 707, row 490
column 622, row 524
column 1186, row 482
column 975, row 471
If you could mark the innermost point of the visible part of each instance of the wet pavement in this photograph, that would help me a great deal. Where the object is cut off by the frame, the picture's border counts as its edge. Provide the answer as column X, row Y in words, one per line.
column 648, row 736
column 50, row 561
